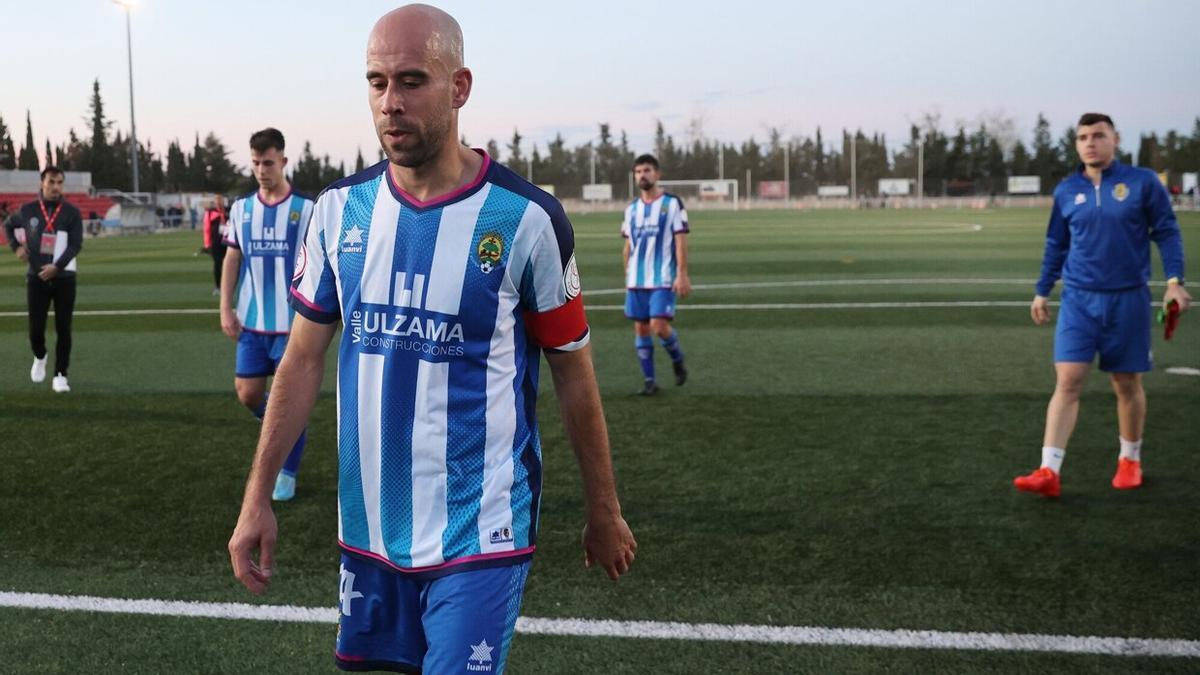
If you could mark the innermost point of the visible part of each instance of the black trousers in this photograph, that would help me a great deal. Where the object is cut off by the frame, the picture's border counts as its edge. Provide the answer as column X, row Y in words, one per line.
column 218, row 256
column 61, row 292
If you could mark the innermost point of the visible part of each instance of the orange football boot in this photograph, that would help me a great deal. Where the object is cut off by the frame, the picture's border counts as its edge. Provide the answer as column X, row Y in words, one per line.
column 1129, row 474
column 1043, row 481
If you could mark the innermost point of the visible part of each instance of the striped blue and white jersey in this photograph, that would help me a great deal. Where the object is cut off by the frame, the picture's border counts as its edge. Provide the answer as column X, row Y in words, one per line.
column 268, row 236
column 445, row 306
column 651, row 228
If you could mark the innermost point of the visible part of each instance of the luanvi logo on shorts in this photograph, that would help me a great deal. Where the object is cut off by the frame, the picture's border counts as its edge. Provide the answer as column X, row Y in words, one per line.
column 480, row 660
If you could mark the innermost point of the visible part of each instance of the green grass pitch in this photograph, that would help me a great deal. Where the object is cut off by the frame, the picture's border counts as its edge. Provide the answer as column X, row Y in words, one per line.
column 840, row 467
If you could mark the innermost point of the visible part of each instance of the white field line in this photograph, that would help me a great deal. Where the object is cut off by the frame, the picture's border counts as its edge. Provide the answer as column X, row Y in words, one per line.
column 817, row 283
column 125, row 312
column 664, row 630
column 689, row 307
column 843, row 305
column 811, row 283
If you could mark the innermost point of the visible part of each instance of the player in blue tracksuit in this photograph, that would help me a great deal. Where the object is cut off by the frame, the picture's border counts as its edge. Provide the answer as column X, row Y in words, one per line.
column 1102, row 221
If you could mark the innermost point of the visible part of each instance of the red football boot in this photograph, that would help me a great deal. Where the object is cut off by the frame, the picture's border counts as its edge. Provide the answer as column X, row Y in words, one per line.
column 1129, row 474
column 1043, row 481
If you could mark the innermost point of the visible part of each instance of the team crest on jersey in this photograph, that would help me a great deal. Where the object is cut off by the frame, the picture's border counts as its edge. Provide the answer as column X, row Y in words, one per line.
column 352, row 241
column 33, row 222
column 489, row 252
column 1120, row 192
column 294, row 217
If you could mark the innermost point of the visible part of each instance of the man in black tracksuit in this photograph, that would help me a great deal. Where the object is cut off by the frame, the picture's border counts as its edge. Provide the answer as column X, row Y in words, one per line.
column 48, row 233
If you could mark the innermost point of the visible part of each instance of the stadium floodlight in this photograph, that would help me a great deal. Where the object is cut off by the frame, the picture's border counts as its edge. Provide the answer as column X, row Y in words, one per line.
column 127, row 5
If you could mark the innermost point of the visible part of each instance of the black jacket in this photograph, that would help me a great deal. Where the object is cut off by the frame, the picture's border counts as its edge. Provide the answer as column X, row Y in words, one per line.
column 29, row 217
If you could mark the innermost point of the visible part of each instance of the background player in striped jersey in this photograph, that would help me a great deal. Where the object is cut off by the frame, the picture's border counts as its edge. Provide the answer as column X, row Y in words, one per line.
column 656, row 269
column 451, row 275
column 265, row 229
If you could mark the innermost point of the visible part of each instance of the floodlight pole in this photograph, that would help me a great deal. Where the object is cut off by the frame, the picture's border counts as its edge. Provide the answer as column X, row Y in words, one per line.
column 133, row 153
column 721, row 161
column 593, row 164
column 787, row 183
column 920, row 173
column 854, row 167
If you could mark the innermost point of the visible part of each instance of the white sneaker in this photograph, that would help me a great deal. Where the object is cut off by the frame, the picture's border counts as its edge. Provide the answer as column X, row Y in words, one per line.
column 60, row 385
column 38, row 372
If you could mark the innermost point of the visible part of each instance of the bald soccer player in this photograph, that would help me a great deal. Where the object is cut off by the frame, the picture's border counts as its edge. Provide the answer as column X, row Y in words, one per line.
column 451, row 276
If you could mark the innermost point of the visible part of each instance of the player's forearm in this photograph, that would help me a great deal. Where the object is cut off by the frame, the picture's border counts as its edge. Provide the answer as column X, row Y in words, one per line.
column 1170, row 250
column 229, row 275
column 625, row 254
column 583, row 418
column 681, row 256
column 293, row 395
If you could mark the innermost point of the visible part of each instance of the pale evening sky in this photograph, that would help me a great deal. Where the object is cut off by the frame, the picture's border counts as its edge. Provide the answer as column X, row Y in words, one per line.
column 545, row 67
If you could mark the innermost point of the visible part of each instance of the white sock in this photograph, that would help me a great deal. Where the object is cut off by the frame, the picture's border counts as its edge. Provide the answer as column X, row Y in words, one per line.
column 1052, row 458
column 1131, row 450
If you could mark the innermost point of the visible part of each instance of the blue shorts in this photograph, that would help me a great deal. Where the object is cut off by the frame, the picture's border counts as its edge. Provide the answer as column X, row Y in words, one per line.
column 643, row 304
column 1115, row 324
column 458, row 623
column 258, row 354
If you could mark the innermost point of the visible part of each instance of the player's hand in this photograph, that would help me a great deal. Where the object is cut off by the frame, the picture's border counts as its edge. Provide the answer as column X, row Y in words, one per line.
column 49, row 271
column 682, row 286
column 256, row 529
column 22, row 253
column 230, row 324
column 1039, row 309
column 1179, row 294
column 608, row 542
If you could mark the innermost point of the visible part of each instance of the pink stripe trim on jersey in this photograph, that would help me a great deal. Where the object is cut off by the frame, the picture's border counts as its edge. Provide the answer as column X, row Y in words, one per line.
column 396, row 189
column 310, row 305
column 281, row 199
column 449, row 563
column 347, row 657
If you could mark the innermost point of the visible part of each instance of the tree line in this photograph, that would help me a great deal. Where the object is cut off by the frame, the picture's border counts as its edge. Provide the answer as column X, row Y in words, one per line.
column 206, row 167
column 969, row 160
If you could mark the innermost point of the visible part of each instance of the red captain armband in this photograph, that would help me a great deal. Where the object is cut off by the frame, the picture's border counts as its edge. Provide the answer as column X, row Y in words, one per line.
column 560, row 326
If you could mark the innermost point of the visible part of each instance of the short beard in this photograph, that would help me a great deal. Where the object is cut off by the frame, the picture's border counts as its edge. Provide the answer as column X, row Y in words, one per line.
column 646, row 185
column 429, row 143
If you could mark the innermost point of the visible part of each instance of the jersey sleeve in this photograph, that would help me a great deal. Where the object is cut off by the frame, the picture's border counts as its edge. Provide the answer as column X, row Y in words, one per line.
column 1164, row 228
column 1058, row 243
column 314, row 285
column 626, row 225
column 679, row 224
column 235, row 216
column 551, row 292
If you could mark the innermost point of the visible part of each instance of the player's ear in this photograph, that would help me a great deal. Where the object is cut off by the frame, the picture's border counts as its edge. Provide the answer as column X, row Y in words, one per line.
column 462, row 80
column 283, row 161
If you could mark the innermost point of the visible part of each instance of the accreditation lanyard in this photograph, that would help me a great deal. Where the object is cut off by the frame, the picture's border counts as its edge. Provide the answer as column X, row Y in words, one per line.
column 49, row 235
column 49, row 218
